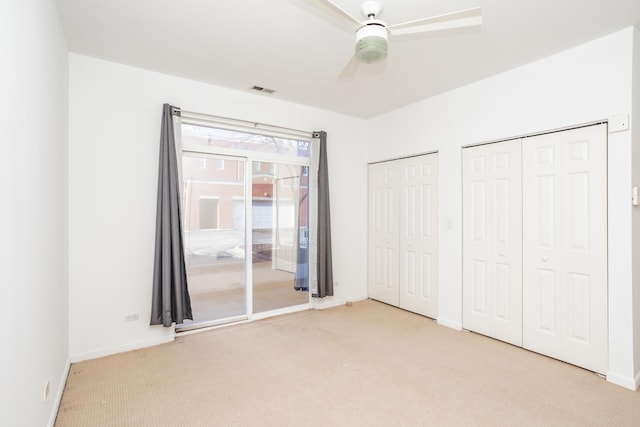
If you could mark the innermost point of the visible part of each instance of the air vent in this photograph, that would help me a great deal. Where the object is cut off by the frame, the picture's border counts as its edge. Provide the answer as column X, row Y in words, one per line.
column 262, row 89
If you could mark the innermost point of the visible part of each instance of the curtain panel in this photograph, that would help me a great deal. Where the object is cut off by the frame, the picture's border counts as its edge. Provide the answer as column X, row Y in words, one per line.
column 325, row 263
column 170, row 298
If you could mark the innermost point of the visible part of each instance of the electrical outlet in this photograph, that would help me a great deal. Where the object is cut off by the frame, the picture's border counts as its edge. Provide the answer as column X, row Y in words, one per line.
column 131, row 317
column 45, row 395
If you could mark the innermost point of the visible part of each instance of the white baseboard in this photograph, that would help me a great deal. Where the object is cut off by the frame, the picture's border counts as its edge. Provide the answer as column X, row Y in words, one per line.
column 58, row 396
column 449, row 324
column 79, row 357
column 622, row 381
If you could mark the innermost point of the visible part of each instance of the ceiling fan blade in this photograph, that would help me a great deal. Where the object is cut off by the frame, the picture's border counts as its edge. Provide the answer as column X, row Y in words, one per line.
column 462, row 18
column 351, row 68
column 329, row 7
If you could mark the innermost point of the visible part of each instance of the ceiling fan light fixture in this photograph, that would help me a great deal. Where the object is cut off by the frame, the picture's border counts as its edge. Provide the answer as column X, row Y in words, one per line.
column 371, row 43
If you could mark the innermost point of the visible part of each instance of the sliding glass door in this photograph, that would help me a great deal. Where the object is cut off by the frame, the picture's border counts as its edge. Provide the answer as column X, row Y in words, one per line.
column 280, row 236
column 246, row 216
column 214, row 226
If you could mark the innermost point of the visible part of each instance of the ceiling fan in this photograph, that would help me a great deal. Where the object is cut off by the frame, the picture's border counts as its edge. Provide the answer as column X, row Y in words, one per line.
column 372, row 34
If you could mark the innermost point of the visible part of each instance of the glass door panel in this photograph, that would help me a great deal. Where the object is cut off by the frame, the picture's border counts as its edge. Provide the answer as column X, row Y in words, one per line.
column 280, row 236
column 214, row 228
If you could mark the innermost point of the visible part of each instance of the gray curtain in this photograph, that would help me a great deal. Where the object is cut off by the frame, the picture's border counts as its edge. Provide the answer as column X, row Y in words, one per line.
column 170, row 301
column 325, row 265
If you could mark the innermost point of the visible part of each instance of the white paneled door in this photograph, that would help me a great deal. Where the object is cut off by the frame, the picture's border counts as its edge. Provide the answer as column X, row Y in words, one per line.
column 403, row 233
column 565, row 246
column 384, row 229
column 419, row 234
column 492, row 240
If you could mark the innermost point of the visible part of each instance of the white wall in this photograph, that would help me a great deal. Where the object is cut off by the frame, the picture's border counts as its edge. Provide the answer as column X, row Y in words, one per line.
column 588, row 83
column 33, row 218
column 114, row 130
column 635, row 126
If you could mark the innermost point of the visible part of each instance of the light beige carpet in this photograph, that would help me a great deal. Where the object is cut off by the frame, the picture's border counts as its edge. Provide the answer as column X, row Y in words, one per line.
column 365, row 365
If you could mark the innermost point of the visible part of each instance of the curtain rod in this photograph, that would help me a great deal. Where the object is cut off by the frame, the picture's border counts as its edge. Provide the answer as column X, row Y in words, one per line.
column 243, row 124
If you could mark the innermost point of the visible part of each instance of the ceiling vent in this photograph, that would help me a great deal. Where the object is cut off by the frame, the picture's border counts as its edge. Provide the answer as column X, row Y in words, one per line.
column 262, row 89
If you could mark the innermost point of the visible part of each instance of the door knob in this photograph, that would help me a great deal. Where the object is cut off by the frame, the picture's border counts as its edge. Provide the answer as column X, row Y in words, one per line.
column 545, row 259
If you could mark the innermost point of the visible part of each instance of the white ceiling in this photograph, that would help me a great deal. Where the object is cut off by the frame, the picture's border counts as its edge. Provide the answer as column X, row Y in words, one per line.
column 299, row 52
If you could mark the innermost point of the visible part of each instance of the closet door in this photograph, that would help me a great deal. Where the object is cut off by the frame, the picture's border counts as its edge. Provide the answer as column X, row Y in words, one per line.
column 565, row 246
column 384, row 228
column 492, row 240
column 419, row 234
